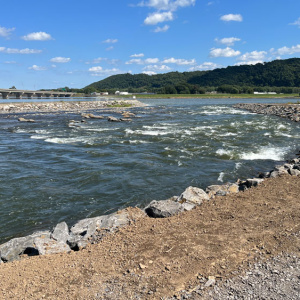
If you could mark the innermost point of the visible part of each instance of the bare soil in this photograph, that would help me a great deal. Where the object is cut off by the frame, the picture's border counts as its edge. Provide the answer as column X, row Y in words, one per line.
column 158, row 258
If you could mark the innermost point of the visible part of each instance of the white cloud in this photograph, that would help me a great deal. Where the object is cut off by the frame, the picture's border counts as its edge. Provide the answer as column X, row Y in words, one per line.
column 137, row 61
column 158, row 17
column 253, row 57
column 100, row 59
column 110, row 41
column 162, row 29
column 137, row 55
column 297, row 23
column 60, row 59
column 149, row 73
column 227, row 52
column 253, row 62
column 99, row 71
column 37, row 36
column 232, row 17
column 37, row 68
column 109, row 48
column 157, row 68
column 151, row 61
column 228, row 41
column 210, row 3
column 171, row 5
column 179, row 61
column 19, row 51
column 5, row 32
column 288, row 51
column 140, row 61
column 206, row 66
column 96, row 69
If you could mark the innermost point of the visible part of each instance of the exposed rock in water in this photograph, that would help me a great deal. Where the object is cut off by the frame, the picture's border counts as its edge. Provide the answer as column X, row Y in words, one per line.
column 26, row 120
column 290, row 111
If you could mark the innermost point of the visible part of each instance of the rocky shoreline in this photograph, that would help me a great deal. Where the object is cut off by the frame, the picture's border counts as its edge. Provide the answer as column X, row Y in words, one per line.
column 66, row 106
column 91, row 230
column 289, row 111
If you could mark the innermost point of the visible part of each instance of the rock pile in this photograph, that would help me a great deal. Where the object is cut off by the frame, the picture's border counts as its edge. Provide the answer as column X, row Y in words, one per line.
column 290, row 111
column 66, row 106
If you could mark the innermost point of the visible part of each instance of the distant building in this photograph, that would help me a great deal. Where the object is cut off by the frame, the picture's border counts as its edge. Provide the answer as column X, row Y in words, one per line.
column 265, row 93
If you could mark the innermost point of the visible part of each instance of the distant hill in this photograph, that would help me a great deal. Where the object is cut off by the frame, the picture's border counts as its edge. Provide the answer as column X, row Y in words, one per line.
column 278, row 73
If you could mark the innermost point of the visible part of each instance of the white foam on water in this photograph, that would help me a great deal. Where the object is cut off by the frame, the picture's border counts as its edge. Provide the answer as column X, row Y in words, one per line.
column 221, row 176
column 272, row 153
column 57, row 140
column 39, row 137
column 238, row 165
column 99, row 129
column 225, row 152
column 228, row 134
column 138, row 142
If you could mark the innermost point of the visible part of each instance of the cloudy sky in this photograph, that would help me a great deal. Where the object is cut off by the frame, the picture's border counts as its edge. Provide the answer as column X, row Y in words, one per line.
column 51, row 44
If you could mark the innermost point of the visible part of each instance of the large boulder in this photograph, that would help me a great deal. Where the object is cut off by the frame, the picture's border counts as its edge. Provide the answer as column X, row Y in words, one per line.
column 193, row 196
column 82, row 230
column 91, row 229
column 12, row 249
column 163, row 208
column 45, row 245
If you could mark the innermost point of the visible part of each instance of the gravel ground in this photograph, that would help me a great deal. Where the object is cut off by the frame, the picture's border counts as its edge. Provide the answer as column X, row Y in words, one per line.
column 276, row 278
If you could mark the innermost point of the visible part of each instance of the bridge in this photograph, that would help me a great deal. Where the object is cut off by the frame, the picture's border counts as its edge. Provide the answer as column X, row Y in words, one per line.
column 19, row 94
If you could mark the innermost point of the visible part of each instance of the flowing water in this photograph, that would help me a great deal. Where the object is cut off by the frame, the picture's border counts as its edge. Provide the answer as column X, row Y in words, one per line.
column 53, row 172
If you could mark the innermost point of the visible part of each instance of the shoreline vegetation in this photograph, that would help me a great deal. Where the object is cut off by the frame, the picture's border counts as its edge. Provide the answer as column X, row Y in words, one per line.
column 142, row 259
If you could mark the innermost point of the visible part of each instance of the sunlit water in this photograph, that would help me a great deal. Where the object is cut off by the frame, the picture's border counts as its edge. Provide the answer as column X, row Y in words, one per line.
column 52, row 172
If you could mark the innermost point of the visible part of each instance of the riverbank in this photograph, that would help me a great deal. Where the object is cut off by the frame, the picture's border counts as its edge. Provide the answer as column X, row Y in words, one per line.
column 215, row 96
column 289, row 111
column 153, row 258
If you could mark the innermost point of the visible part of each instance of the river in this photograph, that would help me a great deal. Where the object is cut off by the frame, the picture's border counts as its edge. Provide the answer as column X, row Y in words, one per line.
column 52, row 172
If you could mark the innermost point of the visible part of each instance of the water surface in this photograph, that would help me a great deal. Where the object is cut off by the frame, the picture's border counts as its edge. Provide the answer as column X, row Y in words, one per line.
column 53, row 172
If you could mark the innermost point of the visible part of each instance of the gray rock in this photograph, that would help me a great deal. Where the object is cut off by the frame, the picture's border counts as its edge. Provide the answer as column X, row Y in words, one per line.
column 60, row 232
column 45, row 245
column 222, row 190
column 26, row 120
column 113, row 119
column 163, row 208
column 82, row 230
column 254, row 182
column 294, row 172
column 12, row 249
column 193, row 195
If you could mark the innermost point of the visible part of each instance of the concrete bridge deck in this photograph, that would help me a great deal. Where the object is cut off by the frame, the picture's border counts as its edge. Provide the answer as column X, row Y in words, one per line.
column 6, row 93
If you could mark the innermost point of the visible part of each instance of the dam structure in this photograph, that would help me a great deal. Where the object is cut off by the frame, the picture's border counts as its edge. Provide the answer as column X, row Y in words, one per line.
column 19, row 94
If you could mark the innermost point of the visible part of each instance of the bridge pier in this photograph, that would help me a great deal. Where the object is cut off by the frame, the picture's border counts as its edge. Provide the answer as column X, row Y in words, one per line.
column 29, row 95
column 19, row 95
column 5, row 95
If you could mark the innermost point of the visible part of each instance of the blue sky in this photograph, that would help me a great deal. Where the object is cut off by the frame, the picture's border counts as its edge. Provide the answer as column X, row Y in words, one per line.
column 51, row 44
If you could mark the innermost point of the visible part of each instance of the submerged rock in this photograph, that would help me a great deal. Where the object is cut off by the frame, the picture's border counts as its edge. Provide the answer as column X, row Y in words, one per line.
column 26, row 120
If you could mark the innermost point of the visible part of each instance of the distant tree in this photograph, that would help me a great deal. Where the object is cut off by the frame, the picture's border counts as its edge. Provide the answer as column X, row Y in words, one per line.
column 13, row 88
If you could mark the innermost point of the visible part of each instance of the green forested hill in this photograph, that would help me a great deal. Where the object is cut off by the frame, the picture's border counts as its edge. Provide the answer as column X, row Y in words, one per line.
column 278, row 73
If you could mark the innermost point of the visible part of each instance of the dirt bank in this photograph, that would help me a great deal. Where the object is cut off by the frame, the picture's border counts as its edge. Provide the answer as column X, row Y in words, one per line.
column 153, row 258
